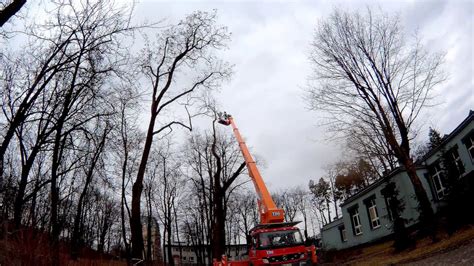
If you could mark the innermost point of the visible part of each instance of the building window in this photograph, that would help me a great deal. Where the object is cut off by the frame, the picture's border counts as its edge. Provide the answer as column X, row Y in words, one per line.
column 355, row 220
column 469, row 142
column 456, row 160
column 191, row 258
column 184, row 258
column 437, row 177
column 389, row 208
column 389, row 193
column 342, row 232
column 373, row 214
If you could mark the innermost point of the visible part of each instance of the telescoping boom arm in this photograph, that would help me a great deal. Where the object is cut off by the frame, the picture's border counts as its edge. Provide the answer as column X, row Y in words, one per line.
column 269, row 213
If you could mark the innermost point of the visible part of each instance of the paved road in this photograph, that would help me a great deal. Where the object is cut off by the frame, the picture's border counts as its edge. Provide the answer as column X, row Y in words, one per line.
column 463, row 255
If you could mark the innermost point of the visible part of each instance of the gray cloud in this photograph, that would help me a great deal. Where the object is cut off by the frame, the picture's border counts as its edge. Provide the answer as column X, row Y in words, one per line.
column 269, row 48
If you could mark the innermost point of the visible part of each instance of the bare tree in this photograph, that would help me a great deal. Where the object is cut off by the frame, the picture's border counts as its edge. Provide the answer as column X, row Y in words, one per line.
column 184, row 48
column 367, row 141
column 214, row 163
column 126, row 149
column 33, row 79
column 366, row 73
column 31, row 146
column 19, row 96
column 168, row 187
column 246, row 208
column 321, row 192
column 57, row 101
column 198, row 160
column 98, row 141
column 223, row 177
column 95, row 28
column 107, row 213
column 332, row 173
column 301, row 201
column 286, row 200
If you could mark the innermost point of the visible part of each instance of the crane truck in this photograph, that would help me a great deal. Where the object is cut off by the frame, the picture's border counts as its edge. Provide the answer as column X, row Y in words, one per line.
column 272, row 241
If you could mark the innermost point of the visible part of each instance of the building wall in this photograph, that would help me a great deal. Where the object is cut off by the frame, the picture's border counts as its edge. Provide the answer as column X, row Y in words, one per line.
column 461, row 148
column 456, row 141
column 367, row 233
column 155, row 239
column 330, row 233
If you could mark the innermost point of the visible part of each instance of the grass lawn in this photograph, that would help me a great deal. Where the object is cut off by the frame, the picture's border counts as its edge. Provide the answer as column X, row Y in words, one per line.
column 383, row 253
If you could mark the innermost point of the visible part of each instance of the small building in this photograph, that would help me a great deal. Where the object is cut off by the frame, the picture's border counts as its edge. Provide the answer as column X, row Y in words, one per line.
column 154, row 235
column 366, row 216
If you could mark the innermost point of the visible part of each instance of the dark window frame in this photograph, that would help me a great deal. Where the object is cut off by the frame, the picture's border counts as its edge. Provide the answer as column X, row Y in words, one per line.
column 389, row 210
column 343, row 236
column 437, row 177
column 468, row 141
column 368, row 204
column 387, row 204
column 352, row 211
column 456, row 161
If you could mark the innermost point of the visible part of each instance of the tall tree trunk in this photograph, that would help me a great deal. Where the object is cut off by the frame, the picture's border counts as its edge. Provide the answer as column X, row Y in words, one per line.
column 402, row 152
column 122, row 216
column 305, row 220
column 25, row 171
column 76, row 240
column 135, row 222
column 123, row 199
column 149, row 256
column 17, row 120
column 170, row 242
column 177, row 230
column 165, row 251
column 427, row 217
column 33, row 205
column 218, row 230
column 103, row 233
column 59, row 146
column 329, row 211
column 55, row 230
column 334, row 198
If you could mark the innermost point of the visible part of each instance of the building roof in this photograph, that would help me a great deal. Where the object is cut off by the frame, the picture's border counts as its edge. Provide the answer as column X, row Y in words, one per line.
column 373, row 185
column 397, row 170
column 333, row 223
column 370, row 187
column 451, row 135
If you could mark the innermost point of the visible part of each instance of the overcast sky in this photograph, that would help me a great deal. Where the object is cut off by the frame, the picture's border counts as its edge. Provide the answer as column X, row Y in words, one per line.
column 269, row 48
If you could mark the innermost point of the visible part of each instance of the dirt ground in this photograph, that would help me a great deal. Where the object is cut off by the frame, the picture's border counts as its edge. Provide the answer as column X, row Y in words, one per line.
column 461, row 255
column 457, row 249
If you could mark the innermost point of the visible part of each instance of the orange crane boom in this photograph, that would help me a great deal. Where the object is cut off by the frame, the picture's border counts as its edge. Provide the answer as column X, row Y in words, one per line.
column 269, row 212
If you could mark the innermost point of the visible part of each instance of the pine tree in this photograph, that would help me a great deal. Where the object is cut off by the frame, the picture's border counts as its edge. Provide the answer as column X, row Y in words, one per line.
column 435, row 138
column 396, row 207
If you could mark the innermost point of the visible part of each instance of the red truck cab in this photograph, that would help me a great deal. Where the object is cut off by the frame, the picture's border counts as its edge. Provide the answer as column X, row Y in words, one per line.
column 277, row 244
